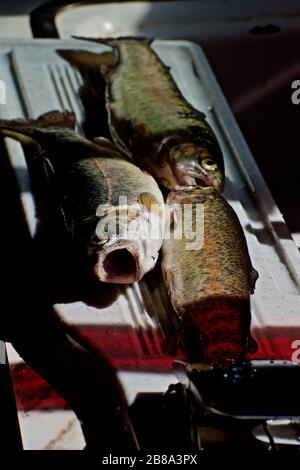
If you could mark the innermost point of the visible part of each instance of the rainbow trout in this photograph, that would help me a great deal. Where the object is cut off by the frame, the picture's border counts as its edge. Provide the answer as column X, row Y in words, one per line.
column 150, row 119
column 112, row 208
column 210, row 279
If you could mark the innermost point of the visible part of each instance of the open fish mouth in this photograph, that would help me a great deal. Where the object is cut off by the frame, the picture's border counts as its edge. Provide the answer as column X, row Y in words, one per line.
column 204, row 181
column 119, row 264
column 134, row 235
column 125, row 261
column 191, row 173
column 193, row 178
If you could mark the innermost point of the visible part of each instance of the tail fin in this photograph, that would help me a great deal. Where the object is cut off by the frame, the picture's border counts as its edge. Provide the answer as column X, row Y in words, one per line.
column 113, row 42
column 22, row 129
column 47, row 120
column 87, row 59
column 55, row 131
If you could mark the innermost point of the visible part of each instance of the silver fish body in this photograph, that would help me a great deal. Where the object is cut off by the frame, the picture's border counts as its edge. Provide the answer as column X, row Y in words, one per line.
column 113, row 209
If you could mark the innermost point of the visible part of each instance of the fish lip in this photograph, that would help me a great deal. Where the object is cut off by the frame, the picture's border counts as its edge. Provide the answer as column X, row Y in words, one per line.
column 193, row 175
column 193, row 178
column 135, row 253
column 137, row 248
column 127, row 252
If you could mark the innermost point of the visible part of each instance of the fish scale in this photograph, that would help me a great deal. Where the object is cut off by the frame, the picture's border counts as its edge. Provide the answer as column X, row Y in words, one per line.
column 90, row 180
column 145, row 70
column 150, row 118
column 210, row 286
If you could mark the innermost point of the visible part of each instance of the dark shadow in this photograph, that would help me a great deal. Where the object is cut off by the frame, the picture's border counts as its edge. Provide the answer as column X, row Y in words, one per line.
column 264, row 30
column 263, row 236
column 158, row 305
column 173, row 413
column 62, row 262
column 11, row 440
column 40, row 337
column 270, row 124
column 92, row 93
column 43, row 340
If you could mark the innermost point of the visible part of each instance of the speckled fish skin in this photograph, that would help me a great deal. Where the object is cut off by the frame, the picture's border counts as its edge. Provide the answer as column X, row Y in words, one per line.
column 90, row 179
column 150, row 118
column 210, row 287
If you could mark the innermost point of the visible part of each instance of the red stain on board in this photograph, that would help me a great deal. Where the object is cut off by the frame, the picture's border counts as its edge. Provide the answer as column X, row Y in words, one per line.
column 120, row 346
column 32, row 392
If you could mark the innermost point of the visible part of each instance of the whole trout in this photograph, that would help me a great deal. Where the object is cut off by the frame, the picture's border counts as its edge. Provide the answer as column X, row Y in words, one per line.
column 150, row 119
column 114, row 210
column 209, row 282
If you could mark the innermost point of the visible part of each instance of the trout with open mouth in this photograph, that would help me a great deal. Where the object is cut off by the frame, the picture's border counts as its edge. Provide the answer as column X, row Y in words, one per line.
column 114, row 210
column 149, row 118
column 210, row 279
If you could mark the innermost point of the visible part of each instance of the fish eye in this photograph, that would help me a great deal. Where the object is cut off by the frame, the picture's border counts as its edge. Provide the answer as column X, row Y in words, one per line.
column 209, row 164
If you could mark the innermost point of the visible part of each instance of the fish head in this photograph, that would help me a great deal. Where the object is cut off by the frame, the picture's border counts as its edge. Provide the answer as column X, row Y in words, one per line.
column 129, row 239
column 195, row 166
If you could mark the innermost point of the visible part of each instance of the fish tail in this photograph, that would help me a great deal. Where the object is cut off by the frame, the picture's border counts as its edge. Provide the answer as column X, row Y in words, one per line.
column 113, row 42
column 221, row 332
column 49, row 119
column 88, row 59
column 35, row 131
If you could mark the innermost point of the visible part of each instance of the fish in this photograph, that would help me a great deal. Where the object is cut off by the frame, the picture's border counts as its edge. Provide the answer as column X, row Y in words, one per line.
column 148, row 116
column 210, row 282
column 112, row 209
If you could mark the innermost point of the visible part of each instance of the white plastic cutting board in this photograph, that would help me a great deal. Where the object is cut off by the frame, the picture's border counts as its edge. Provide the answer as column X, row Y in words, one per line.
column 39, row 81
